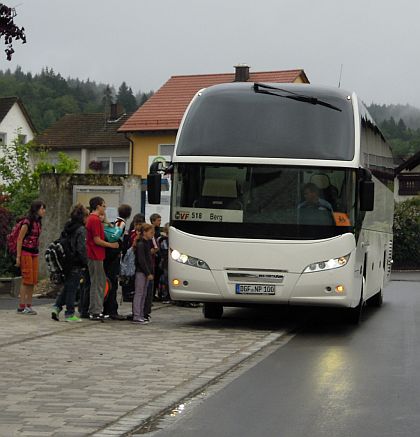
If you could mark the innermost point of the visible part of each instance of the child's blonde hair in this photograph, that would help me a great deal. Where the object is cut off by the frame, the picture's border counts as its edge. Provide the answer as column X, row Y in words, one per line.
column 145, row 227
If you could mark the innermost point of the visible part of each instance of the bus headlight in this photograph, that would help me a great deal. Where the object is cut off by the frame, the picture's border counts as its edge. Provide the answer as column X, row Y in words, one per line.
column 334, row 263
column 188, row 260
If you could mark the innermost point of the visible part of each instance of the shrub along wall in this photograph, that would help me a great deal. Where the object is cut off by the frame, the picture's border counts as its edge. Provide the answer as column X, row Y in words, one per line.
column 407, row 235
column 6, row 223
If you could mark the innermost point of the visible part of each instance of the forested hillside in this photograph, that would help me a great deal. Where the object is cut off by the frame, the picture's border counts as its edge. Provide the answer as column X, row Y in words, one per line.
column 410, row 114
column 400, row 125
column 48, row 96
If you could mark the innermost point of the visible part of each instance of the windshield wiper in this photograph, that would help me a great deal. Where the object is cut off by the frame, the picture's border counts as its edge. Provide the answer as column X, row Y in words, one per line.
column 265, row 89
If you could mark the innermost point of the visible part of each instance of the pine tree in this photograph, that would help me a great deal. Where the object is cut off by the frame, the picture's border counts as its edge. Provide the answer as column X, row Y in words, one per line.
column 107, row 98
column 142, row 97
column 126, row 98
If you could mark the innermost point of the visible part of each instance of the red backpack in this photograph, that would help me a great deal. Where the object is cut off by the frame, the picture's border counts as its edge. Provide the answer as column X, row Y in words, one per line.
column 11, row 239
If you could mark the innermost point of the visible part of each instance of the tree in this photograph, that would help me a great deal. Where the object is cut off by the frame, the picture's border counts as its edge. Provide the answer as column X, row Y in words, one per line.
column 142, row 97
column 126, row 98
column 20, row 179
column 9, row 30
column 48, row 96
column 108, row 97
column 406, row 248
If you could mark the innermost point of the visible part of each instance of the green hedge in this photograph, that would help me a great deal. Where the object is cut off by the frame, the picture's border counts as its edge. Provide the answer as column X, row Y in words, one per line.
column 6, row 223
column 407, row 234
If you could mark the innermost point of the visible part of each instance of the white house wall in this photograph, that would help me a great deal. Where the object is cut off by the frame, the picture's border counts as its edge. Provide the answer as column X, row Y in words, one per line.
column 105, row 153
column 12, row 122
column 91, row 155
column 99, row 154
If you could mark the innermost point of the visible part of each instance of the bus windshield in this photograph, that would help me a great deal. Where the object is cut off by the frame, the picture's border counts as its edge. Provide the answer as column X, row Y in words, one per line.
column 263, row 201
column 228, row 120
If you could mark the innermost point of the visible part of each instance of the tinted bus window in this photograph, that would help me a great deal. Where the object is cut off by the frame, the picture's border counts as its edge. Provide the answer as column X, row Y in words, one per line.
column 237, row 121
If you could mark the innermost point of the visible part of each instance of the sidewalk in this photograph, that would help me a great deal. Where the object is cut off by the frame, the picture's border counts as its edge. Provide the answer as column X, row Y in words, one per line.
column 412, row 276
column 92, row 378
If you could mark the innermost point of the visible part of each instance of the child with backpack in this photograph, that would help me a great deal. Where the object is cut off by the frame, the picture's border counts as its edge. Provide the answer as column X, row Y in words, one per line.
column 163, row 244
column 112, row 262
column 24, row 242
column 127, row 274
column 73, row 239
column 96, row 244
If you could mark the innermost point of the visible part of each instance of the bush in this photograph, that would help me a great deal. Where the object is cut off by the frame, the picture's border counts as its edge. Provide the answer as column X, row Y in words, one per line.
column 407, row 234
column 6, row 223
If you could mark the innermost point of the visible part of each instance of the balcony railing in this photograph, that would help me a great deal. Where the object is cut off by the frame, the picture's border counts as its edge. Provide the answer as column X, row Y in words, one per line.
column 409, row 184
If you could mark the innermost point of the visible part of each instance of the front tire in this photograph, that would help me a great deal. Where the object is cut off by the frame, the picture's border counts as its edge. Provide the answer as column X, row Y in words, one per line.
column 213, row 310
column 376, row 300
column 354, row 315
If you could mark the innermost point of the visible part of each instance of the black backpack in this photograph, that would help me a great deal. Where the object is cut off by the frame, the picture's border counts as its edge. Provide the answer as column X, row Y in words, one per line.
column 59, row 257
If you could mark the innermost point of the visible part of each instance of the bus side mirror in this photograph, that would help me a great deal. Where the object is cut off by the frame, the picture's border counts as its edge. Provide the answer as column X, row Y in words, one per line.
column 367, row 195
column 153, row 188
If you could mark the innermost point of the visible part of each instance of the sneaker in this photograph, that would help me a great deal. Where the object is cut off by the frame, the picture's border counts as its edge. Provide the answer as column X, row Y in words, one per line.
column 96, row 317
column 55, row 313
column 166, row 302
column 136, row 322
column 29, row 311
column 140, row 322
column 117, row 317
column 20, row 310
column 72, row 319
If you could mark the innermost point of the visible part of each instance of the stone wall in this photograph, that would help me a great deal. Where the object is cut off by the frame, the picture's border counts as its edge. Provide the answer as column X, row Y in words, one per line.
column 56, row 190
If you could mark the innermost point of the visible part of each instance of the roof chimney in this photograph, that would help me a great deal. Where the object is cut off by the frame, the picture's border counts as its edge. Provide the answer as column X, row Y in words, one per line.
column 115, row 111
column 241, row 73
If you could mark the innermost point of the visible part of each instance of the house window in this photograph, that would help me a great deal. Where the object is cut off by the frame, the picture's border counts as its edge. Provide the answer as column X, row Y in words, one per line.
column 166, row 150
column 111, row 165
column 3, row 138
column 119, row 167
column 23, row 139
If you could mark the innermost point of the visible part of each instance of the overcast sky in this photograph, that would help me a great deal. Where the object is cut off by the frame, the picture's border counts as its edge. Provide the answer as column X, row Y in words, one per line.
column 144, row 42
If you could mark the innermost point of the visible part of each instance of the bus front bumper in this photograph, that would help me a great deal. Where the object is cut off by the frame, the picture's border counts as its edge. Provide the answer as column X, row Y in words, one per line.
column 334, row 287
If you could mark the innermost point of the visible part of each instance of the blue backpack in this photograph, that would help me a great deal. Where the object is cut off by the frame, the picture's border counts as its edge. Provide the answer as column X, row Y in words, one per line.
column 128, row 263
column 113, row 233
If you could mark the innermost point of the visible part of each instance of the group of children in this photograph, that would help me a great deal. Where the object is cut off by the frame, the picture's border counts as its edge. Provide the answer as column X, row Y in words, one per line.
column 96, row 249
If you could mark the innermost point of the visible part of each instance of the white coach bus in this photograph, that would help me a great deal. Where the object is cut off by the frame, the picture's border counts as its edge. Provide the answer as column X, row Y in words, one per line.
column 281, row 194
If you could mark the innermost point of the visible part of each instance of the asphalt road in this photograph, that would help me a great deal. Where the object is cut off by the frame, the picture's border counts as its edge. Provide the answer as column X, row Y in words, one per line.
column 330, row 380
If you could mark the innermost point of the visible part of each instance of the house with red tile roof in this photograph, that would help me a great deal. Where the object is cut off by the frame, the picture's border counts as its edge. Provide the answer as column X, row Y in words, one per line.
column 153, row 127
column 92, row 139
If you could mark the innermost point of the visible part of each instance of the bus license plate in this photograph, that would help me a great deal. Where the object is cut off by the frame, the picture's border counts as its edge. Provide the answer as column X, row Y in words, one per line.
column 255, row 289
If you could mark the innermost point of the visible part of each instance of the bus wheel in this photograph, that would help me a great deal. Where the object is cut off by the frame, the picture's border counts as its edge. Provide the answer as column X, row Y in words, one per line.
column 213, row 310
column 376, row 300
column 354, row 315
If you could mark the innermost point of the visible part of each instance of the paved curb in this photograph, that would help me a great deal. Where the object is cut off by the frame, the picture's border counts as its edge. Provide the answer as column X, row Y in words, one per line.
column 146, row 413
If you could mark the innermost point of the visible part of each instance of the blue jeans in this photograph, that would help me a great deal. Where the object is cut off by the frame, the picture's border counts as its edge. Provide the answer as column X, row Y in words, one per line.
column 68, row 295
